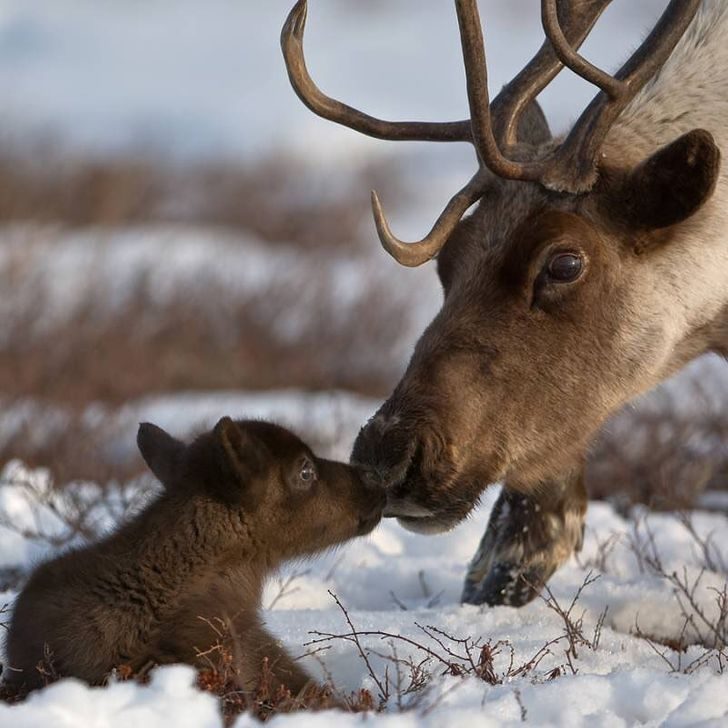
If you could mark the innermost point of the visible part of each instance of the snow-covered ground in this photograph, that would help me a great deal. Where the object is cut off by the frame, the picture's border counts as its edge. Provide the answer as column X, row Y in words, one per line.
column 398, row 583
column 198, row 80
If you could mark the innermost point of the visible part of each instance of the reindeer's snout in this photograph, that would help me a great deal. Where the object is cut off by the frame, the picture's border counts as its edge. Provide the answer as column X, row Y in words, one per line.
column 384, row 451
column 406, row 457
column 386, row 454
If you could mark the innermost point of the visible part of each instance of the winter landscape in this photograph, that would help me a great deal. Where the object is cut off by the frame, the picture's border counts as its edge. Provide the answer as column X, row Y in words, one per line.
column 180, row 239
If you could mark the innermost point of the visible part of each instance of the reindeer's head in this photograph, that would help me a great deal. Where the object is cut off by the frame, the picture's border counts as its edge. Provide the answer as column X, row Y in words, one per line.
column 552, row 315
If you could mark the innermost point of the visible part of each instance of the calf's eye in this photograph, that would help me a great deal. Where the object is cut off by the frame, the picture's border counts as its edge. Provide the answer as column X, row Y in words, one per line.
column 307, row 474
column 564, row 267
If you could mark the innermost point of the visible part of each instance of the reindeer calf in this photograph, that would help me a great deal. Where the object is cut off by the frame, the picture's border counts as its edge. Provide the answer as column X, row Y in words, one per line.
column 187, row 573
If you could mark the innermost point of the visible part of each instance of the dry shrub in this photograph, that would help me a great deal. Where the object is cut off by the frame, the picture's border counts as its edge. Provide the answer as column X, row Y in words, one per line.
column 196, row 339
column 71, row 447
column 59, row 518
column 269, row 697
column 219, row 678
column 278, row 199
column 408, row 683
column 197, row 343
column 662, row 454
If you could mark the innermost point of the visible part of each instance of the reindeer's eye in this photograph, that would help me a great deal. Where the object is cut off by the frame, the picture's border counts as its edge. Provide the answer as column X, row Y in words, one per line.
column 564, row 267
column 307, row 475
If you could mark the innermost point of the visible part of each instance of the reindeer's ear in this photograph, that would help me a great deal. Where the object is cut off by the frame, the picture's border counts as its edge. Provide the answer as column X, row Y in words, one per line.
column 161, row 452
column 532, row 126
column 244, row 455
column 673, row 183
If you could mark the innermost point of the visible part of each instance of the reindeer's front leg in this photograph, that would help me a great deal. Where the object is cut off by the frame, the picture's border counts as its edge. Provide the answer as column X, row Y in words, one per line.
column 529, row 535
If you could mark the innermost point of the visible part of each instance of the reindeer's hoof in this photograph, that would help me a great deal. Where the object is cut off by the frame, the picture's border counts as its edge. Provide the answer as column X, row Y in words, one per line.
column 522, row 547
column 505, row 584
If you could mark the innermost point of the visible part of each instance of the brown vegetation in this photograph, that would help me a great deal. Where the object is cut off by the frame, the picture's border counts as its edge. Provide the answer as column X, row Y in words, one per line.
column 198, row 340
column 270, row 198
column 660, row 455
column 202, row 344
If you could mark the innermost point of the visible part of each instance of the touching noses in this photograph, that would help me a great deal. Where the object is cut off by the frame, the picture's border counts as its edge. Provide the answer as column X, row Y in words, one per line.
column 384, row 450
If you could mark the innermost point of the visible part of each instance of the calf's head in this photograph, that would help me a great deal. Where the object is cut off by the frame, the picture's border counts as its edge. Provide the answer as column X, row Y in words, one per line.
column 290, row 502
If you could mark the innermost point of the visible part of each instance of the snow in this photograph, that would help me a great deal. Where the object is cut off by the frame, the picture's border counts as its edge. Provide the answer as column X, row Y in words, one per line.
column 621, row 699
column 394, row 580
column 170, row 699
column 190, row 80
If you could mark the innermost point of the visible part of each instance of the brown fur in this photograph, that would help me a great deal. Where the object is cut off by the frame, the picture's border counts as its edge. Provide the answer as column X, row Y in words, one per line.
column 525, row 360
column 517, row 371
column 185, row 575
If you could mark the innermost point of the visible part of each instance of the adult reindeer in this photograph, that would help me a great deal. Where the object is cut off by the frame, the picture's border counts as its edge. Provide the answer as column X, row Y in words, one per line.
column 593, row 267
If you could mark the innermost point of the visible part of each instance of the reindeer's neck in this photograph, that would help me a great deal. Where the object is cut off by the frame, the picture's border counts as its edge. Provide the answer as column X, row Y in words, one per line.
column 689, row 276
column 172, row 548
column 684, row 286
column 690, row 91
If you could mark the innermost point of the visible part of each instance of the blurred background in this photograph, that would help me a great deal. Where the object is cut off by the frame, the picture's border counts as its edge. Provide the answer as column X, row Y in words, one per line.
column 180, row 238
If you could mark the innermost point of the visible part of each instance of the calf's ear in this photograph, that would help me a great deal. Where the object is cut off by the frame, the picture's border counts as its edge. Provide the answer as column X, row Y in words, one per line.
column 671, row 185
column 161, row 452
column 245, row 457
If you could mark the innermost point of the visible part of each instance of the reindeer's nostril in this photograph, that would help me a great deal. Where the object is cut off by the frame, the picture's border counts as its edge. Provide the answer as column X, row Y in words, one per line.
column 383, row 451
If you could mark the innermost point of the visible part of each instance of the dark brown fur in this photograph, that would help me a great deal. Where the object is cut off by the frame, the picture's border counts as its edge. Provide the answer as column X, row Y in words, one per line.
column 185, row 576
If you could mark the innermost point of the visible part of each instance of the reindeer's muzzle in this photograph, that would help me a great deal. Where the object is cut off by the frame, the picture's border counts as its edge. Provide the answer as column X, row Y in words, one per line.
column 388, row 453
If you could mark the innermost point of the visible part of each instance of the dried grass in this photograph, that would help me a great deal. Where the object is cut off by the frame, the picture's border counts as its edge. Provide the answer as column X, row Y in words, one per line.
column 271, row 198
column 660, row 455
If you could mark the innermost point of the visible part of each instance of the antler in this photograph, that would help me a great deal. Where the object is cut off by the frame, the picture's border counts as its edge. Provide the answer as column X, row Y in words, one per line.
column 578, row 18
column 333, row 110
column 493, row 128
column 572, row 168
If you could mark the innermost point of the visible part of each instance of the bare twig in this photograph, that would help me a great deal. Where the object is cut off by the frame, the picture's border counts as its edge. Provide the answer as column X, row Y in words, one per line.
column 286, row 588
column 574, row 626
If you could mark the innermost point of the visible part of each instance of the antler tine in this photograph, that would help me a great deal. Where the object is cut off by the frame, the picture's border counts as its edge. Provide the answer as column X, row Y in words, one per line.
column 568, row 55
column 577, row 20
column 476, row 76
column 340, row 113
column 572, row 168
column 482, row 134
column 414, row 254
